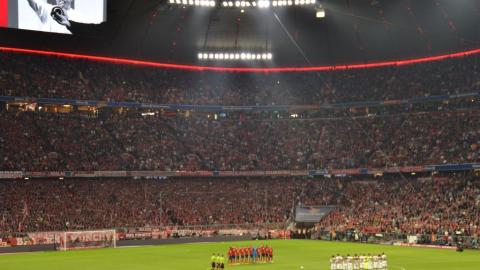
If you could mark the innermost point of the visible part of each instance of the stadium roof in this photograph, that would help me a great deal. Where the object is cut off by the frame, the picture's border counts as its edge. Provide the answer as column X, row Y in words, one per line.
column 353, row 32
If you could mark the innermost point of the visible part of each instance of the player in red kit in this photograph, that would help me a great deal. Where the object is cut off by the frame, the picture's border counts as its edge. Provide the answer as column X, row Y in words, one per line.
column 231, row 255
column 270, row 254
column 239, row 253
column 267, row 254
column 236, row 252
column 259, row 255
column 243, row 254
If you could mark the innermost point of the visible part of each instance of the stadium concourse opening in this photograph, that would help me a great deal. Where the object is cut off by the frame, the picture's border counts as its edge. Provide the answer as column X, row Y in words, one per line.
column 243, row 69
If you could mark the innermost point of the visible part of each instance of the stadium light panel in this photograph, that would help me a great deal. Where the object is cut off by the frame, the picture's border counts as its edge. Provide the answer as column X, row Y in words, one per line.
column 267, row 3
column 198, row 3
column 230, row 56
column 320, row 14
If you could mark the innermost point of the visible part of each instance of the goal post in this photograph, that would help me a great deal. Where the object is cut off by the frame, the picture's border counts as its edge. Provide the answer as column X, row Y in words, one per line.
column 88, row 239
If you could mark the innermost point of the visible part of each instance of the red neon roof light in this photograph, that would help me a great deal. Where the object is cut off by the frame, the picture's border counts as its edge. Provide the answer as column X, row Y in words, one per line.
column 240, row 69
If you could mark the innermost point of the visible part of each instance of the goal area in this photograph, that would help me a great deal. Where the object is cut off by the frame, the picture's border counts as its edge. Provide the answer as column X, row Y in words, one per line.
column 87, row 240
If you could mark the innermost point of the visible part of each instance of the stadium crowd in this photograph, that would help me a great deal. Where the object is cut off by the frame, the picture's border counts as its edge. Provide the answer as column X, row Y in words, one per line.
column 431, row 205
column 47, row 205
column 39, row 141
column 42, row 76
column 425, row 206
column 113, row 141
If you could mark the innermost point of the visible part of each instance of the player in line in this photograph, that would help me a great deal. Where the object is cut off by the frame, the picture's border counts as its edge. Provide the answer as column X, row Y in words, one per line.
column 362, row 262
column 250, row 255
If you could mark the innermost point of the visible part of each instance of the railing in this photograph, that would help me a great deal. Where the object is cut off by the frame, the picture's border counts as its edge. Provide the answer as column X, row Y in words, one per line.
column 263, row 230
column 278, row 173
column 431, row 240
column 222, row 108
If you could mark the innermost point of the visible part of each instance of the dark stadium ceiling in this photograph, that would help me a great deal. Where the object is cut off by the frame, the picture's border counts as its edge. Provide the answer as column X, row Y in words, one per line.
column 354, row 31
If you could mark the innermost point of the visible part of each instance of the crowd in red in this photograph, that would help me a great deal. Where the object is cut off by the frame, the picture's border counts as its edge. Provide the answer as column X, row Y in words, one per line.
column 42, row 76
column 38, row 141
column 391, row 204
column 113, row 141
column 75, row 204
column 423, row 206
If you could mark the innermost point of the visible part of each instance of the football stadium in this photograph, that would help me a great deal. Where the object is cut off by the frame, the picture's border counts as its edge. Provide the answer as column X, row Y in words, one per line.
column 249, row 135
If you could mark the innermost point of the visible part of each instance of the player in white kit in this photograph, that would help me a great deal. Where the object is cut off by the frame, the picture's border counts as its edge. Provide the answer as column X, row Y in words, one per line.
column 384, row 261
column 356, row 262
column 345, row 263
column 375, row 262
column 349, row 262
column 361, row 261
column 339, row 261
column 333, row 263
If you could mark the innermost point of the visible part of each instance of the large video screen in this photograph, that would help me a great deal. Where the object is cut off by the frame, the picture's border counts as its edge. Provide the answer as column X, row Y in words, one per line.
column 56, row 16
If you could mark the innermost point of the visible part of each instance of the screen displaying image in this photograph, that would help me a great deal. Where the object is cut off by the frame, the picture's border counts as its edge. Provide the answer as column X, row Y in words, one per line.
column 56, row 16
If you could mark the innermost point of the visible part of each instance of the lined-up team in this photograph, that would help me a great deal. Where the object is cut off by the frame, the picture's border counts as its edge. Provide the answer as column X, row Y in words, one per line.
column 247, row 255
column 362, row 262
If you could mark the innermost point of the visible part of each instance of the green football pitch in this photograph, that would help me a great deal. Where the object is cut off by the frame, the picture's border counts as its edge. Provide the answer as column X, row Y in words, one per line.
column 288, row 255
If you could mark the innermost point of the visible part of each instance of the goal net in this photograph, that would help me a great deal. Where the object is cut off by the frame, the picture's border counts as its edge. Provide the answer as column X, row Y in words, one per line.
column 88, row 239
